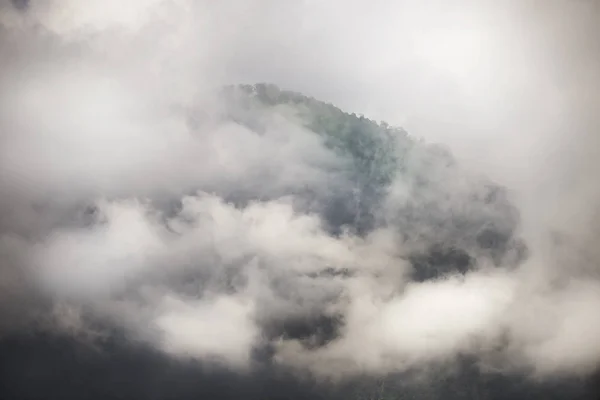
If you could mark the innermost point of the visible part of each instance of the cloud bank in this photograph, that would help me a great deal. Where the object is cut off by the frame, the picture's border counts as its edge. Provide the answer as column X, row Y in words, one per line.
column 130, row 202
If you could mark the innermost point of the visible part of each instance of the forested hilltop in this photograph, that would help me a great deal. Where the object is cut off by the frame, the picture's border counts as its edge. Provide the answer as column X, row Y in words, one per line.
column 393, row 179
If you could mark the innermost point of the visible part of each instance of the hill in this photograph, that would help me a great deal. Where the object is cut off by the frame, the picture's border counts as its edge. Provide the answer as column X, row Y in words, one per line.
column 390, row 178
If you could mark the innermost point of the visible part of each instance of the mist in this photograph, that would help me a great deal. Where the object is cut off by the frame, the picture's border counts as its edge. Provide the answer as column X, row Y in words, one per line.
column 133, row 210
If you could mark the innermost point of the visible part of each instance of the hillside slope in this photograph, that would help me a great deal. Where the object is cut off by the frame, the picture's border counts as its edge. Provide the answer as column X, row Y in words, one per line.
column 392, row 179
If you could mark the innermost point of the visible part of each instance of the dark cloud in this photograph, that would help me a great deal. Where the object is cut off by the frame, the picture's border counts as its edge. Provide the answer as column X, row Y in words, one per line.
column 20, row 5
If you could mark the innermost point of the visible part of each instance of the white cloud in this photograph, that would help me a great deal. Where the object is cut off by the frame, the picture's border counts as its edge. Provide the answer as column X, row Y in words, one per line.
column 88, row 91
column 221, row 329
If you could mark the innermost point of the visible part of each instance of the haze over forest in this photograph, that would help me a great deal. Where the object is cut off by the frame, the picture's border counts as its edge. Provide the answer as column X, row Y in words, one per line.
column 297, row 199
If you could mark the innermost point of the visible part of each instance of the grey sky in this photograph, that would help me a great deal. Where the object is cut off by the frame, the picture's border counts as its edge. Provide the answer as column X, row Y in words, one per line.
column 494, row 80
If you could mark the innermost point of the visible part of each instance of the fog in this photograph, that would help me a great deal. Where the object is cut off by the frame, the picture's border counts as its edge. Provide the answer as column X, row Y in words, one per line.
column 120, row 211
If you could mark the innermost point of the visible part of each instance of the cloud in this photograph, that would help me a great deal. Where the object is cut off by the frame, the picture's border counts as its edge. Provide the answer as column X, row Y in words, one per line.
column 132, row 199
column 222, row 328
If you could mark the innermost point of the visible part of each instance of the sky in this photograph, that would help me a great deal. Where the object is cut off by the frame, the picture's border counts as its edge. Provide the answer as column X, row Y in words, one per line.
column 485, row 78
column 89, row 100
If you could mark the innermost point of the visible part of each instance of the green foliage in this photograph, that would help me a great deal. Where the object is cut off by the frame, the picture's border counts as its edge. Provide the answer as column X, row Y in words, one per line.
column 370, row 149
column 441, row 205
